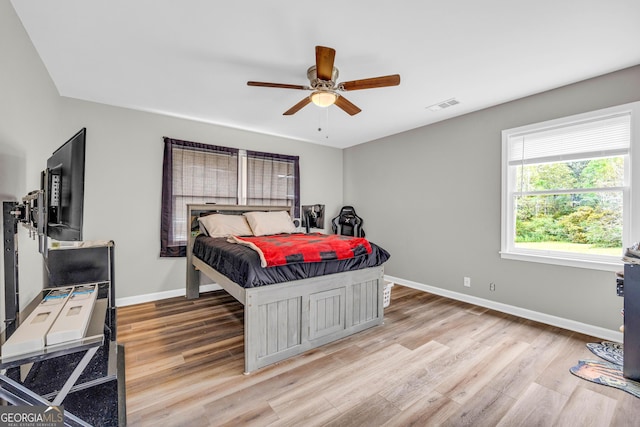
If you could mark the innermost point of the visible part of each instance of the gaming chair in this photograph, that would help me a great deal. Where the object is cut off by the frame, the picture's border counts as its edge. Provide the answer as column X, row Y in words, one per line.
column 347, row 223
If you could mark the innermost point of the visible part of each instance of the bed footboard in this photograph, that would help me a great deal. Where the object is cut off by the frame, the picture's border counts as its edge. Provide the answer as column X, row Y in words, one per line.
column 288, row 319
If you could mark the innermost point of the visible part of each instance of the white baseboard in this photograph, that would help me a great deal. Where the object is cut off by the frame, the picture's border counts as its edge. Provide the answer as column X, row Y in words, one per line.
column 139, row 299
column 571, row 325
column 560, row 322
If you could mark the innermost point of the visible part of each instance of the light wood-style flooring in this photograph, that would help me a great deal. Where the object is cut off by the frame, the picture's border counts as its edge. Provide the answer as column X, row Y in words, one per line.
column 435, row 361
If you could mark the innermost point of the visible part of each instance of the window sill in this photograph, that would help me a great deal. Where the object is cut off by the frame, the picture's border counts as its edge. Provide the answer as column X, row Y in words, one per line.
column 567, row 262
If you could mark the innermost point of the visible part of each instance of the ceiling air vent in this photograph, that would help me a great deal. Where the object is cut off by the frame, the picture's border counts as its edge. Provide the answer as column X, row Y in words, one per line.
column 444, row 104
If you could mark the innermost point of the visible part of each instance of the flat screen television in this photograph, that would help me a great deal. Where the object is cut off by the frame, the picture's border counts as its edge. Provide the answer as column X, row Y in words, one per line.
column 63, row 185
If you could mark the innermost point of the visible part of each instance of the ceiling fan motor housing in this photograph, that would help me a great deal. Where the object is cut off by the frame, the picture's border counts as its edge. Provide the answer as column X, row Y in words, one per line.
column 319, row 84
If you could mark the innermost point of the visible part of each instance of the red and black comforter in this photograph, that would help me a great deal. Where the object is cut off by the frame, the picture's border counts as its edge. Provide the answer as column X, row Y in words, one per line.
column 284, row 249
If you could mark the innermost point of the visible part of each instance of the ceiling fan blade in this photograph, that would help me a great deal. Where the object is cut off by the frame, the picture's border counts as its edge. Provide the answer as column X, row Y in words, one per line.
column 372, row 83
column 347, row 106
column 297, row 107
column 324, row 62
column 279, row 85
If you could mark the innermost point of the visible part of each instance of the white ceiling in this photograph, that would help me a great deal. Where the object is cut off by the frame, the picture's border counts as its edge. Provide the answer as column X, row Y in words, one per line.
column 192, row 58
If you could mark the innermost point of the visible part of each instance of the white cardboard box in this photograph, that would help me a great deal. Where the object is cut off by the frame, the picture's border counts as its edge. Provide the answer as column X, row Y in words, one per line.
column 31, row 334
column 73, row 320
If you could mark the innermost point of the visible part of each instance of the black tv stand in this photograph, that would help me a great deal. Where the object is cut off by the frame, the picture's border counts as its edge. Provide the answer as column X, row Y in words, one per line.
column 85, row 375
column 70, row 373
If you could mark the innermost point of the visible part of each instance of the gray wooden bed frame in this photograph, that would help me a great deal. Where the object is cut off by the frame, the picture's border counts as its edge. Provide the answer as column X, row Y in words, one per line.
column 286, row 319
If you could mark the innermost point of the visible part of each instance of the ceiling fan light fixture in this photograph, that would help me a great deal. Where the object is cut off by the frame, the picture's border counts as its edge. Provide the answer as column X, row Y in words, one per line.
column 323, row 98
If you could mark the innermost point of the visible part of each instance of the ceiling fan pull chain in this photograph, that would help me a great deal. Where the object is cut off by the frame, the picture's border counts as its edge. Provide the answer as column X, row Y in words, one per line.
column 326, row 124
column 323, row 122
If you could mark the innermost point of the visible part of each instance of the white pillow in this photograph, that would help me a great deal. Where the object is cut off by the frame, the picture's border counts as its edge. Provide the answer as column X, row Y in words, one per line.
column 276, row 222
column 219, row 225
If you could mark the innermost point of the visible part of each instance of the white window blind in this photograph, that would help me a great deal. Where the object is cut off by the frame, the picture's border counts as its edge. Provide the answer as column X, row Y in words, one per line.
column 599, row 137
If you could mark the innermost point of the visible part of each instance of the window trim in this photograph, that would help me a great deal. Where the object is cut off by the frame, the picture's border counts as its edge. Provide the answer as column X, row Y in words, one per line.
column 631, row 195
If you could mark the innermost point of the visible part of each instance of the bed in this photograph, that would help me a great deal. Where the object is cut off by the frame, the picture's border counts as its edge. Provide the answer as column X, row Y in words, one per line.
column 287, row 318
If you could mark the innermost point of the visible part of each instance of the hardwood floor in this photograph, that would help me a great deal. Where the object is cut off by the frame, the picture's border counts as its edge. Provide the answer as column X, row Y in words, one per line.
column 435, row 361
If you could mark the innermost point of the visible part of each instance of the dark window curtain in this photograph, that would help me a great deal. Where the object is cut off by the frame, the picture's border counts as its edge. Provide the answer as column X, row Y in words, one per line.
column 193, row 173
column 273, row 179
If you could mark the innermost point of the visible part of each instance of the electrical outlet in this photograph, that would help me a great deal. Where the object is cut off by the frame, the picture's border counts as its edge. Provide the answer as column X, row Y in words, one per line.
column 492, row 286
column 467, row 282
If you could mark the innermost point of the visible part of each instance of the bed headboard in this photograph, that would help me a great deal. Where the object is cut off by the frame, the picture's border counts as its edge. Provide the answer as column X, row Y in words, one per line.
column 199, row 209
column 194, row 211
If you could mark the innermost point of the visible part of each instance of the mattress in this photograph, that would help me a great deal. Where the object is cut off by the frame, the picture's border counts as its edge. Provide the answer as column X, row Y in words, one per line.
column 242, row 264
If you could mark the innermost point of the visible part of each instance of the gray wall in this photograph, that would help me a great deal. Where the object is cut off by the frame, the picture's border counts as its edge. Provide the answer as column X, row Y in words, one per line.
column 29, row 123
column 123, row 165
column 431, row 196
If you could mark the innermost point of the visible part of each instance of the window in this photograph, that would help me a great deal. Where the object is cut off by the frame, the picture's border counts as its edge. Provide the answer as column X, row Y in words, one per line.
column 567, row 190
column 203, row 173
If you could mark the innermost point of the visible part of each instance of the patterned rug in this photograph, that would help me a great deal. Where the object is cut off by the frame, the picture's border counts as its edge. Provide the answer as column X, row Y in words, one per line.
column 607, row 373
column 607, row 350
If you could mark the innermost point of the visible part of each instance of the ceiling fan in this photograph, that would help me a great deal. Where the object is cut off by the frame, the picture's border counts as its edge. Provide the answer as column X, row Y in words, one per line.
column 322, row 81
